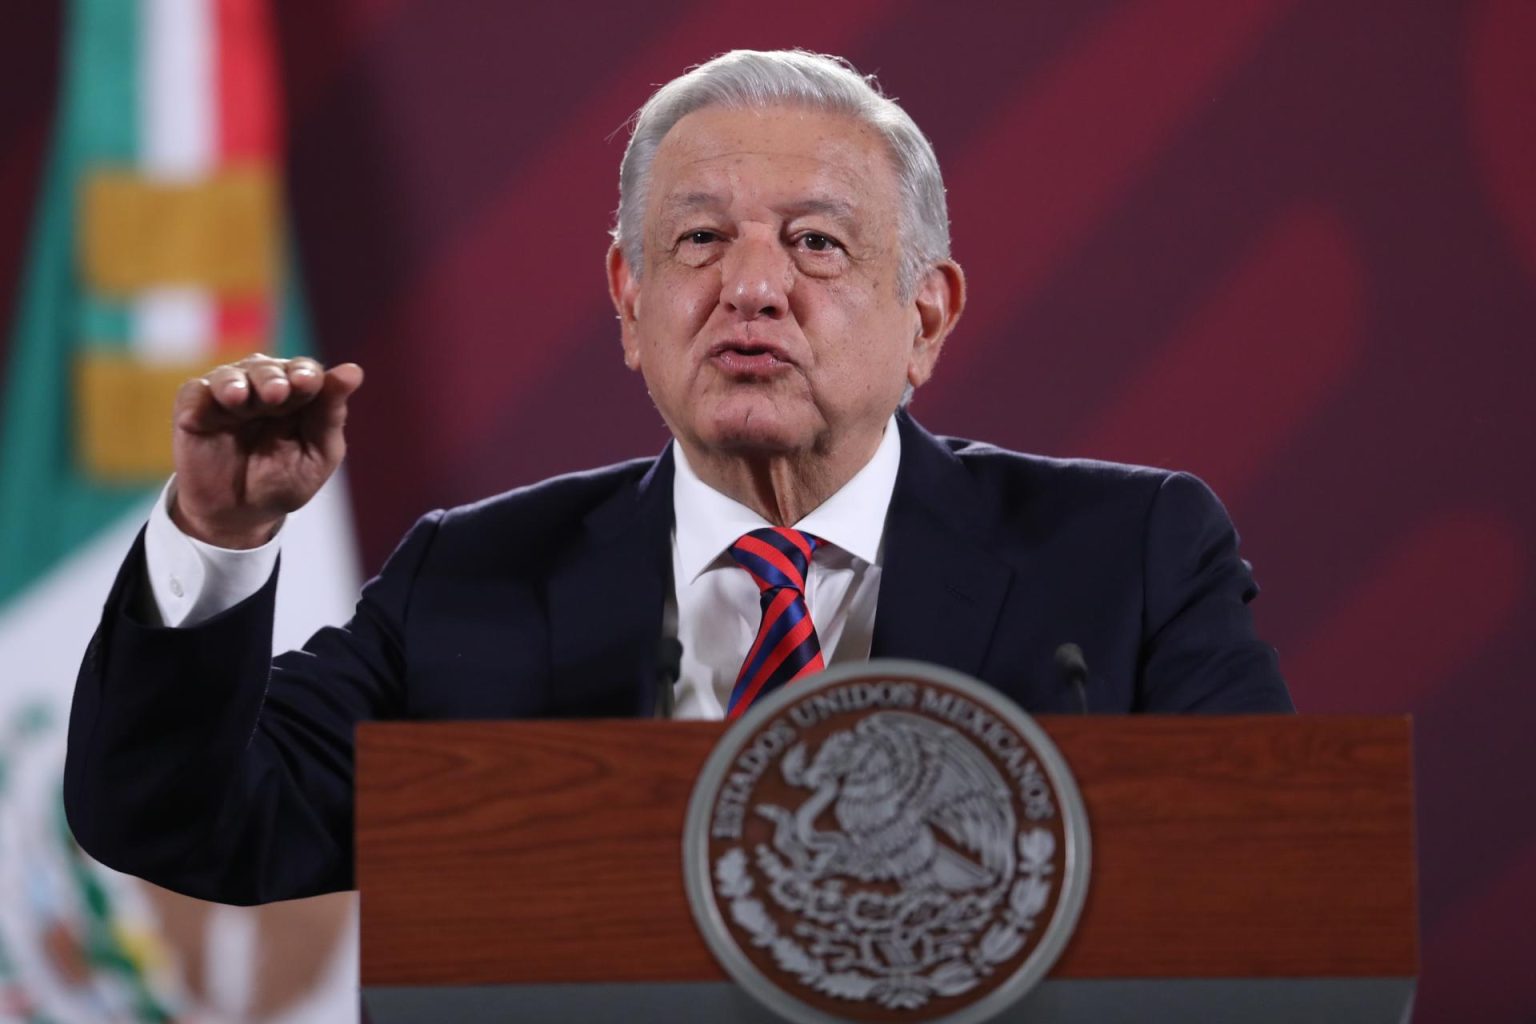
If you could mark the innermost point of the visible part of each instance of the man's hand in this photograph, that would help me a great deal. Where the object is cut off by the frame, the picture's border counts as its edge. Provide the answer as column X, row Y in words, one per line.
column 254, row 440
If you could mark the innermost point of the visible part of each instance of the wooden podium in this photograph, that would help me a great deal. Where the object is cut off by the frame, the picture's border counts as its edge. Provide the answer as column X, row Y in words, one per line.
column 1245, row 869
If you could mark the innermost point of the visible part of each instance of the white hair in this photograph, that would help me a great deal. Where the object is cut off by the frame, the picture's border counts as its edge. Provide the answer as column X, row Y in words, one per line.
column 755, row 79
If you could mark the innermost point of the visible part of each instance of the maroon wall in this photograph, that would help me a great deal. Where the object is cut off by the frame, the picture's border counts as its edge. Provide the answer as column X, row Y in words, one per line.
column 1288, row 246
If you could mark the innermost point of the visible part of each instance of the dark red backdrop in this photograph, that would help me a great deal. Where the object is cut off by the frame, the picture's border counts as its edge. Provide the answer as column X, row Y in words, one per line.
column 1288, row 246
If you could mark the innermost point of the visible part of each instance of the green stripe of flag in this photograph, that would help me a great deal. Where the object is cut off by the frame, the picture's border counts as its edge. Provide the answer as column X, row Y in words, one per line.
column 101, row 89
column 47, row 507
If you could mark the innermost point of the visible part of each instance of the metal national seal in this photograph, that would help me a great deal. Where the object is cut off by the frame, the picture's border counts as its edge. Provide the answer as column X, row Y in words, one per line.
column 886, row 841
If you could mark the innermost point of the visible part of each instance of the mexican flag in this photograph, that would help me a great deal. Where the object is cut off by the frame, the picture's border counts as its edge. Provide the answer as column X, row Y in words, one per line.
column 157, row 252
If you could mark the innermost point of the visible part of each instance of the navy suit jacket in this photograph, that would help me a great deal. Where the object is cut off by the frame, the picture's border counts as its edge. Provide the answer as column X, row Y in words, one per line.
column 200, row 762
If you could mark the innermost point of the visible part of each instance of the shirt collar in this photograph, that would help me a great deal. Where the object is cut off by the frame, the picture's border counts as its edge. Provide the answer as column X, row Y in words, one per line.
column 852, row 519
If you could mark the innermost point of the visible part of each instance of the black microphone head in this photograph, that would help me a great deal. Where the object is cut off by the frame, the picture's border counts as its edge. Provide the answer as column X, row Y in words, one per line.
column 1070, row 662
column 669, row 657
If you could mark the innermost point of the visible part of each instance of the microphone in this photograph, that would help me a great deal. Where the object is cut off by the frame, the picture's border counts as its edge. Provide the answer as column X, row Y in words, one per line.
column 1074, row 671
column 669, row 665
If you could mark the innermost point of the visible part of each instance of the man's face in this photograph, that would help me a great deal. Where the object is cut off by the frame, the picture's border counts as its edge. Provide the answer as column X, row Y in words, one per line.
column 768, row 319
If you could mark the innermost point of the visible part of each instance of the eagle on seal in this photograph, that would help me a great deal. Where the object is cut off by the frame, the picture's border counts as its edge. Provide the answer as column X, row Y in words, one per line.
column 915, row 803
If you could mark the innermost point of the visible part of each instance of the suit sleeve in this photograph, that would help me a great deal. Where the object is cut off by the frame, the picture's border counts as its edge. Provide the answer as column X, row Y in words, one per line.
column 199, row 762
column 1200, row 651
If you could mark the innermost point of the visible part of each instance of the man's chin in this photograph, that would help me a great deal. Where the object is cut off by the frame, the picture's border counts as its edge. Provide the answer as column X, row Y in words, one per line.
column 755, row 429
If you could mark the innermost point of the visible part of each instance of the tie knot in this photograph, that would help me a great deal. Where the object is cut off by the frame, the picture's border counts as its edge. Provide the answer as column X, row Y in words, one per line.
column 776, row 556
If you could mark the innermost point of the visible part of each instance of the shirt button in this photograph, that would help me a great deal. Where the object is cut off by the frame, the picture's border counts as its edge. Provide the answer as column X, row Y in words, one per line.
column 176, row 587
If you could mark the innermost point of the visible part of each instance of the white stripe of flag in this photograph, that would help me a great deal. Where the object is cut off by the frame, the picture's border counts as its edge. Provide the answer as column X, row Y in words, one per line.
column 178, row 110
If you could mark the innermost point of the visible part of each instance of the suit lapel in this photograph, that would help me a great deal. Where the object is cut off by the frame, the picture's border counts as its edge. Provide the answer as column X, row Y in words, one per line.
column 606, row 601
column 941, row 589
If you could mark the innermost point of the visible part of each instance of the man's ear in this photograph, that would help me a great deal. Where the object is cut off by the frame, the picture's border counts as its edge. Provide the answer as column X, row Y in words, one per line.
column 939, row 301
column 624, row 290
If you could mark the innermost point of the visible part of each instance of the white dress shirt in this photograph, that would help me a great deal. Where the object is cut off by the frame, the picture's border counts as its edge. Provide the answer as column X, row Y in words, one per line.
column 718, row 610
column 714, row 609
column 192, row 581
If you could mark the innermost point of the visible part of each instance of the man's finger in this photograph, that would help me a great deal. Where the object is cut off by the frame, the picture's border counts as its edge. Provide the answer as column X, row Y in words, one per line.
column 344, row 378
column 259, row 386
column 328, row 415
column 305, row 379
column 228, row 386
column 263, row 386
column 269, row 382
column 196, row 405
column 340, row 382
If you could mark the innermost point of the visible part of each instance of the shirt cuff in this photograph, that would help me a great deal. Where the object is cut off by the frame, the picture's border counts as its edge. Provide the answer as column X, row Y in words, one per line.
column 193, row 581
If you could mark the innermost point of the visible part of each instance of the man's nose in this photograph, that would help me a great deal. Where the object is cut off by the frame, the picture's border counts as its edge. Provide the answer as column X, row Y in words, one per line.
column 756, row 276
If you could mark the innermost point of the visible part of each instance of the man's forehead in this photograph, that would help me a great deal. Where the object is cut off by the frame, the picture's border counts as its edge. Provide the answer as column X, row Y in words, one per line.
column 795, row 140
column 796, row 161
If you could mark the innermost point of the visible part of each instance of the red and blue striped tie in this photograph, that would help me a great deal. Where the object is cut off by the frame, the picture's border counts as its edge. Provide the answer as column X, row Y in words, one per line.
column 786, row 647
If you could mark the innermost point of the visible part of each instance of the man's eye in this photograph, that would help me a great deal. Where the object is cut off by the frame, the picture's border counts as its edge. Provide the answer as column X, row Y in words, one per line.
column 700, row 237
column 817, row 242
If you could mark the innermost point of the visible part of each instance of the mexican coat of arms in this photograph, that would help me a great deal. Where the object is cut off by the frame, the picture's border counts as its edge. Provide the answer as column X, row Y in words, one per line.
column 887, row 842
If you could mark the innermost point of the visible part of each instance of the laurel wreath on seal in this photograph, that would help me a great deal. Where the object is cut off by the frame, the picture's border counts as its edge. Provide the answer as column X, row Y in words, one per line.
column 1001, row 942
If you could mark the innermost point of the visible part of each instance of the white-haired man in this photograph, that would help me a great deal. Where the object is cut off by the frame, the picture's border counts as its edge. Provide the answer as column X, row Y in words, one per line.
column 782, row 277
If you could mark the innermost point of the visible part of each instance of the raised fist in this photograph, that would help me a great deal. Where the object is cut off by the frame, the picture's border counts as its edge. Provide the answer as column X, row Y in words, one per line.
column 254, row 440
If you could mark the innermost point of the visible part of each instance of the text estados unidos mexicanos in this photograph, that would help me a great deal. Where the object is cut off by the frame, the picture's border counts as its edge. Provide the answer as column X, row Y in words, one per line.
column 780, row 734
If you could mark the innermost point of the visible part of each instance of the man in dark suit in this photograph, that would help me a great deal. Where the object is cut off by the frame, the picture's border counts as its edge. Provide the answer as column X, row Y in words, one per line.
column 782, row 277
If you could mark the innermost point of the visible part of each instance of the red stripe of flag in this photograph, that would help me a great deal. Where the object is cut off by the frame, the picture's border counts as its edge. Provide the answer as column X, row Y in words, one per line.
column 242, row 321
column 248, row 129
column 248, row 133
